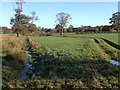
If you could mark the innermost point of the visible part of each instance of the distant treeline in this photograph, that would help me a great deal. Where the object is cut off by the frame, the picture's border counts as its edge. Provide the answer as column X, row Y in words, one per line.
column 89, row 29
column 34, row 30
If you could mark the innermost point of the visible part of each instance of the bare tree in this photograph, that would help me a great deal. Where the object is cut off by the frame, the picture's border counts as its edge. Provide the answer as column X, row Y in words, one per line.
column 63, row 20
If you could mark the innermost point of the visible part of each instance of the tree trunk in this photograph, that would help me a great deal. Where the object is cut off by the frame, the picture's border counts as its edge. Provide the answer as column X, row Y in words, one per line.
column 61, row 32
column 17, row 34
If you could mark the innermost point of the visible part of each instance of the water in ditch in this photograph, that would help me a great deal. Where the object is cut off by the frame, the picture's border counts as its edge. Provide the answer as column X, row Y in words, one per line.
column 28, row 65
column 114, row 62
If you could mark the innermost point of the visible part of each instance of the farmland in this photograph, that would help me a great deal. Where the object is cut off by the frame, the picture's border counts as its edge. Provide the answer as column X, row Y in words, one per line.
column 68, row 61
column 59, row 45
column 81, row 45
column 113, row 37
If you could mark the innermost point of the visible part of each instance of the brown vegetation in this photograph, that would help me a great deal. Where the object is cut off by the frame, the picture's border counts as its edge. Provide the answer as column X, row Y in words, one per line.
column 13, row 47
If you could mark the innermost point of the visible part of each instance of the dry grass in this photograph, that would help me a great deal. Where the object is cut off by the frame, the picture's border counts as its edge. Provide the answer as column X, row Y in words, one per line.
column 13, row 46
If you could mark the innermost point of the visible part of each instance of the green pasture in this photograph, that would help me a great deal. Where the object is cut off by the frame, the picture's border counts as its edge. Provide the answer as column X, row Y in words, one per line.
column 82, row 45
column 113, row 37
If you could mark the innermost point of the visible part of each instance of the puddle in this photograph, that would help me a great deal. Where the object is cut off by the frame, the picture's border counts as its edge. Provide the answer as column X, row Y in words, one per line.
column 115, row 62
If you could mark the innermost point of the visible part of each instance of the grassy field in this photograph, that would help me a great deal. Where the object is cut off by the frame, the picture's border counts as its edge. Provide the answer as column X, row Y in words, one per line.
column 113, row 37
column 83, row 45
column 69, row 61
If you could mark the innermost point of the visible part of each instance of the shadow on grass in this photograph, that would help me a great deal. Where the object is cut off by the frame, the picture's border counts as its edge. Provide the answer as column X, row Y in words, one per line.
column 111, row 43
column 10, row 69
column 90, row 72
column 63, row 71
